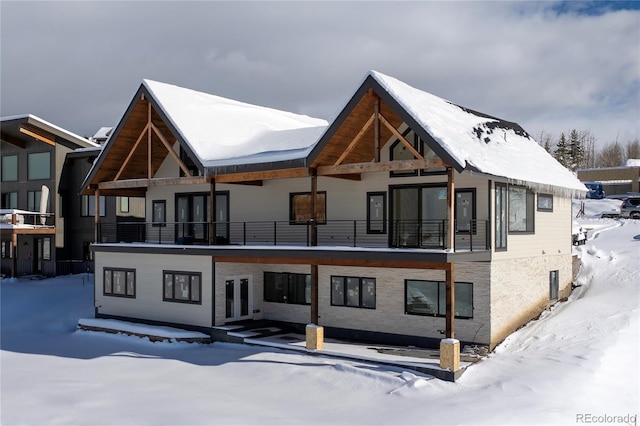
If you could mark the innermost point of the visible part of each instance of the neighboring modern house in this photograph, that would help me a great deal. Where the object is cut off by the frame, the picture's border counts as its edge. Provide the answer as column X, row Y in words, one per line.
column 116, row 213
column 34, row 228
column 368, row 225
column 615, row 180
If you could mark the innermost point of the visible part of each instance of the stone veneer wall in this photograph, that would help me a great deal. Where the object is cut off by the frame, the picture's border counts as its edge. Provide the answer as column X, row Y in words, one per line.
column 520, row 290
column 389, row 315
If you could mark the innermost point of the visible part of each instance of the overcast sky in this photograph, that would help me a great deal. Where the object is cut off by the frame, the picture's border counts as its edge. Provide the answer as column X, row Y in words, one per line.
column 548, row 66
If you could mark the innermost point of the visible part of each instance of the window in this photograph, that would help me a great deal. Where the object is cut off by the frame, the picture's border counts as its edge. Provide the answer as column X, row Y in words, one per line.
column 399, row 151
column 553, row 285
column 33, row 201
column 419, row 215
column 10, row 200
column 119, row 282
column 124, row 204
column 159, row 210
column 89, row 205
column 465, row 211
column 9, row 168
column 300, row 207
column 39, row 166
column 376, row 213
column 183, row 287
column 429, row 298
column 520, row 209
column 46, row 249
column 353, row 291
column 501, row 216
column 287, row 288
column 6, row 250
column 545, row 202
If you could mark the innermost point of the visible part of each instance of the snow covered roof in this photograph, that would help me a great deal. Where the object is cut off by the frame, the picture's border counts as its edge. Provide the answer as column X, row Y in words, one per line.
column 222, row 131
column 479, row 142
column 52, row 128
column 103, row 133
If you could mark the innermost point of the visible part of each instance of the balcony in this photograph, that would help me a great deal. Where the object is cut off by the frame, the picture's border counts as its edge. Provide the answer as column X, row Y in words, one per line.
column 469, row 235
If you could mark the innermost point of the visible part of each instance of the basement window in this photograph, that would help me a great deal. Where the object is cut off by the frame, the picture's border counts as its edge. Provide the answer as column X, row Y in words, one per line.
column 428, row 298
column 119, row 282
column 356, row 292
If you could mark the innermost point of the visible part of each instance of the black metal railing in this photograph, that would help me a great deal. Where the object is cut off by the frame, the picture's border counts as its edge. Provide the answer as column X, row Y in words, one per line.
column 430, row 234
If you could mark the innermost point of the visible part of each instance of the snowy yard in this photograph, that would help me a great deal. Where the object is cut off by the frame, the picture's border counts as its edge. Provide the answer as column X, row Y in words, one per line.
column 577, row 364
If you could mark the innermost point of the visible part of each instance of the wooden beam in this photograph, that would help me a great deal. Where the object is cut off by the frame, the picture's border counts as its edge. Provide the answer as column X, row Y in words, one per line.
column 149, row 173
column 249, row 183
column 401, row 138
column 376, row 131
column 13, row 141
column 380, row 167
column 144, row 183
column 34, row 231
column 353, row 176
column 170, row 149
column 263, row 175
column 354, row 142
column 133, row 150
column 39, row 134
column 368, row 263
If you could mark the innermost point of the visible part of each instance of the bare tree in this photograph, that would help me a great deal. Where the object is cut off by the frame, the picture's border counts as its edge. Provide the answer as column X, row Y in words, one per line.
column 546, row 141
column 633, row 150
column 588, row 142
column 612, row 155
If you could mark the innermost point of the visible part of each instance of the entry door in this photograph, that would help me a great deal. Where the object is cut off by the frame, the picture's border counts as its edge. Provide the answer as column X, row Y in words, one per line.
column 37, row 256
column 238, row 298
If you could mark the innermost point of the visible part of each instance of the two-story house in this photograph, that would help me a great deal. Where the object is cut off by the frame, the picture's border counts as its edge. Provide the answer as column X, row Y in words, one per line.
column 403, row 215
column 33, row 224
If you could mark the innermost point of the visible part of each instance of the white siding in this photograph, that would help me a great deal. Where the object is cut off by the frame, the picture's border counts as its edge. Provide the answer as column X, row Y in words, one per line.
column 148, row 303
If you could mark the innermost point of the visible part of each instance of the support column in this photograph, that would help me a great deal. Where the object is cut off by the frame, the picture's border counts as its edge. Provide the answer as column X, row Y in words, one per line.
column 14, row 247
column 212, row 208
column 451, row 197
column 96, row 216
column 450, row 347
column 376, row 131
column 314, row 332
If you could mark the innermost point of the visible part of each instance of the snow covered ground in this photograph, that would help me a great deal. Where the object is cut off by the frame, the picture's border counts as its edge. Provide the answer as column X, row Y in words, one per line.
column 577, row 364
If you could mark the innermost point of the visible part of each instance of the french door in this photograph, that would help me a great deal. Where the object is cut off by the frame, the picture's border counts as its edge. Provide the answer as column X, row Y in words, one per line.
column 193, row 217
column 238, row 298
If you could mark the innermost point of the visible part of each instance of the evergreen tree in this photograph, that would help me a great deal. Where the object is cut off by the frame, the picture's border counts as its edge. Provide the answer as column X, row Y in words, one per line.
column 575, row 151
column 562, row 152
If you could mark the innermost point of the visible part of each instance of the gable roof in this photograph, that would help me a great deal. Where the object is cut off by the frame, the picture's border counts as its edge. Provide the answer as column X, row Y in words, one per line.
column 14, row 126
column 222, row 131
column 462, row 138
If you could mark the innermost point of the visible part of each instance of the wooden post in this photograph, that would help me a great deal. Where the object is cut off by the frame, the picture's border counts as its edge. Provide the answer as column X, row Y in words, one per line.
column 213, row 215
column 451, row 197
column 96, row 215
column 14, row 247
column 314, row 242
column 314, row 204
column 149, row 141
column 376, row 131
column 450, row 302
